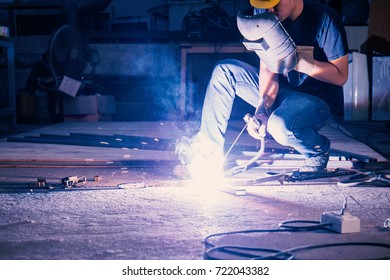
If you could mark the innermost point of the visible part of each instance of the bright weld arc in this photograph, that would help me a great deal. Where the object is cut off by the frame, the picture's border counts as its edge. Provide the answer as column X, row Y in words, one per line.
column 206, row 172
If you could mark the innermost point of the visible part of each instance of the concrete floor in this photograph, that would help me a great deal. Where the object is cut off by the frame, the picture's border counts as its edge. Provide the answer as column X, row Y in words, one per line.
column 160, row 217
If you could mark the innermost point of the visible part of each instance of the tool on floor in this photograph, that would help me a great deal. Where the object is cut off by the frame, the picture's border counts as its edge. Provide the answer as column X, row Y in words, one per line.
column 40, row 183
column 97, row 178
column 292, row 176
column 302, row 176
column 73, row 180
column 365, row 178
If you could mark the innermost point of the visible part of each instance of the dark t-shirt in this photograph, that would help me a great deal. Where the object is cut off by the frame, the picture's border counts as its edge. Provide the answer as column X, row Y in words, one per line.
column 321, row 27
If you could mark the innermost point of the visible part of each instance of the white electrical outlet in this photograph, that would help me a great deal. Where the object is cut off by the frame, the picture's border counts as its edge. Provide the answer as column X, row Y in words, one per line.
column 341, row 223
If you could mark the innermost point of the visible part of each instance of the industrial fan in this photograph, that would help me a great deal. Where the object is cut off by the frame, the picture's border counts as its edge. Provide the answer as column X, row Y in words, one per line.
column 65, row 60
column 68, row 52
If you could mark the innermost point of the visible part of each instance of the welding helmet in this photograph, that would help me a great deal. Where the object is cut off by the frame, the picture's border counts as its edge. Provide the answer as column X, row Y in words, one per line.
column 264, row 4
column 265, row 35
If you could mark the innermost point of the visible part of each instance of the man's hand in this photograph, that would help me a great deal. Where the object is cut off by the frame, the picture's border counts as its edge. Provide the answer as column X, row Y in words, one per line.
column 305, row 63
column 257, row 125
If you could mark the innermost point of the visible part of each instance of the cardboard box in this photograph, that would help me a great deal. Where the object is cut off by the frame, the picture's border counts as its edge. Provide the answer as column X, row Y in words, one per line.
column 89, row 108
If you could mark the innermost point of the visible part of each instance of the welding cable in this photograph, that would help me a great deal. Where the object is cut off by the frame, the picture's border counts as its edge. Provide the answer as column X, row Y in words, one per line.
column 326, row 245
column 244, row 252
column 244, row 166
column 283, row 227
column 315, row 225
column 241, row 252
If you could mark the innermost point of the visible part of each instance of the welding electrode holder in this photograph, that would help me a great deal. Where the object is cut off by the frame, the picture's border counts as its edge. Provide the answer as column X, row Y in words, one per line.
column 261, row 120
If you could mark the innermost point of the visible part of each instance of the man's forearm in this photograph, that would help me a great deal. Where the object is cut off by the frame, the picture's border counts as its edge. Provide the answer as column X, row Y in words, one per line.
column 268, row 88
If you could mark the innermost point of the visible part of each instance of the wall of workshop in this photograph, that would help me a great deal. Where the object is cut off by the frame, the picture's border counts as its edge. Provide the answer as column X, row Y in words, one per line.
column 144, row 78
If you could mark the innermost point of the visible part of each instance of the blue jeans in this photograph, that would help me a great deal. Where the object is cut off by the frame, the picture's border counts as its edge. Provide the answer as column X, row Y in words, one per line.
column 295, row 118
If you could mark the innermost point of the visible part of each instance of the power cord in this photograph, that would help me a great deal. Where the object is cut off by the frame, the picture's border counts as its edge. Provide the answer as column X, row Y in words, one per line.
column 319, row 246
column 255, row 253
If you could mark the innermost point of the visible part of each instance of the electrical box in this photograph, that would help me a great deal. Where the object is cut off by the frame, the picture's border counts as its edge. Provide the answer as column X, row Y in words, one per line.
column 341, row 223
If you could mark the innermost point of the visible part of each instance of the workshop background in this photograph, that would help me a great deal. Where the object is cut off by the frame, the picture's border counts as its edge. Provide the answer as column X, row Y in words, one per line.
column 116, row 67
column 129, row 55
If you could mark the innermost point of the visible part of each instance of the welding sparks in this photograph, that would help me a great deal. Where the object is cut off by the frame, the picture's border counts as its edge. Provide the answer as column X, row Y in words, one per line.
column 202, row 159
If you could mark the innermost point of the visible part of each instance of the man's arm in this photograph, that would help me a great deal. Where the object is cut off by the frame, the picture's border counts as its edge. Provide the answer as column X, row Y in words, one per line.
column 268, row 88
column 333, row 72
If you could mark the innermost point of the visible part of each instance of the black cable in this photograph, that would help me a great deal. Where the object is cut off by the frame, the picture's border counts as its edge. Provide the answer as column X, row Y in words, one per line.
column 235, row 250
column 241, row 251
column 282, row 228
column 316, row 225
column 326, row 245
column 244, row 252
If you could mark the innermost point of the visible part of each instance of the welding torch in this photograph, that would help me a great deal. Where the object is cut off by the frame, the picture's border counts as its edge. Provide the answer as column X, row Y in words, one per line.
column 258, row 130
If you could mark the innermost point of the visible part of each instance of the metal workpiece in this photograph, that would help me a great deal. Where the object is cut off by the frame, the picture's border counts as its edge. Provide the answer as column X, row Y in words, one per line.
column 266, row 36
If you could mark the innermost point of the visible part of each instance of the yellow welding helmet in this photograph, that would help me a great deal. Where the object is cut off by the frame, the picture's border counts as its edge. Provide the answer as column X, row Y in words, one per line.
column 264, row 4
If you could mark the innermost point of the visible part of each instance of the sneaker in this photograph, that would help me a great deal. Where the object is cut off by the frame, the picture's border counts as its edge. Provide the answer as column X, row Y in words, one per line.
column 316, row 164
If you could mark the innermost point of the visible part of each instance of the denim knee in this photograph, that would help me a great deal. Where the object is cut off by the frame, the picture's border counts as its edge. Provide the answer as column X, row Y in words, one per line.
column 279, row 130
